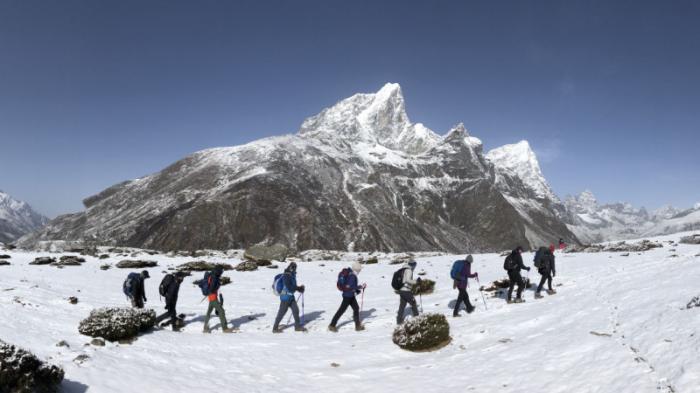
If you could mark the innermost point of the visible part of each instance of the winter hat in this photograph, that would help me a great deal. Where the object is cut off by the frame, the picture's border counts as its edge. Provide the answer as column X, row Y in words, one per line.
column 470, row 258
column 218, row 270
column 412, row 263
column 145, row 274
column 292, row 267
column 356, row 267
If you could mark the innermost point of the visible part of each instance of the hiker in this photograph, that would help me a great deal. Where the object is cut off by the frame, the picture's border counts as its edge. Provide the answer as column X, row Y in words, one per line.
column 546, row 267
column 211, row 284
column 347, row 283
column 562, row 244
column 287, row 301
column 170, row 288
column 461, row 273
column 406, row 290
column 134, row 288
column 514, row 264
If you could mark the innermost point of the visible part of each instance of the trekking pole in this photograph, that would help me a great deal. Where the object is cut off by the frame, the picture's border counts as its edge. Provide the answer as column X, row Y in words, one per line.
column 290, row 314
column 303, row 315
column 420, row 297
column 362, row 300
column 482, row 293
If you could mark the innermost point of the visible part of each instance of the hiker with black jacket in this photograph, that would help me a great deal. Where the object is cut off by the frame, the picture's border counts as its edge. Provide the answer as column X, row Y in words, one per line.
column 461, row 282
column 135, row 288
column 213, row 285
column 406, row 291
column 350, row 288
column 287, row 301
column 170, row 288
column 515, row 266
column 547, row 269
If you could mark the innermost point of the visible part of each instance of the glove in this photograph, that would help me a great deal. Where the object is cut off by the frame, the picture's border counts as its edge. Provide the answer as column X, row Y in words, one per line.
column 301, row 288
column 528, row 268
column 357, row 291
column 144, row 299
column 554, row 274
column 476, row 274
column 419, row 280
column 364, row 285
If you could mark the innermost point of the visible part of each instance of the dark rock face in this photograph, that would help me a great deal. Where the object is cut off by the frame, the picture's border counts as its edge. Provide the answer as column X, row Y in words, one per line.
column 22, row 372
column 115, row 324
column 316, row 190
column 4, row 263
column 5, row 256
column 136, row 264
column 423, row 333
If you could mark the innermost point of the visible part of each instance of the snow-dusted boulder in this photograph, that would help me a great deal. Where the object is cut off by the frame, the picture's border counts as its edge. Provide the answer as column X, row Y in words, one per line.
column 202, row 266
column 22, row 372
column 136, row 264
column 247, row 266
column 425, row 287
column 267, row 254
column 692, row 239
column 42, row 261
column 117, row 323
column 423, row 333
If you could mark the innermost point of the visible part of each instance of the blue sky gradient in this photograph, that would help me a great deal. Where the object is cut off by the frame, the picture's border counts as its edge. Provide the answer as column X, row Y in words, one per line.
column 96, row 92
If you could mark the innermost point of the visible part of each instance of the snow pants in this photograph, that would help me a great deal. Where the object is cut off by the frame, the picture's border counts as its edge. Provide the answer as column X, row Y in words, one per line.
column 515, row 278
column 463, row 298
column 406, row 297
column 546, row 276
column 348, row 301
column 215, row 305
column 284, row 306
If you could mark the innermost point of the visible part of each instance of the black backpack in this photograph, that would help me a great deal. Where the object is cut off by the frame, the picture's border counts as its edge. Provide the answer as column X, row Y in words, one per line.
column 165, row 284
column 539, row 255
column 510, row 264
column 397, row 279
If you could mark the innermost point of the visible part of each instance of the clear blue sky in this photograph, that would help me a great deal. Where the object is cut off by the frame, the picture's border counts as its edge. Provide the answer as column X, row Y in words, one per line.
column 96, row 92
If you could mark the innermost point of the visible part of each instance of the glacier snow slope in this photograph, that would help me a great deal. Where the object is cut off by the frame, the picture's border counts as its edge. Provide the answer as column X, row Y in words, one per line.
column 617, row 324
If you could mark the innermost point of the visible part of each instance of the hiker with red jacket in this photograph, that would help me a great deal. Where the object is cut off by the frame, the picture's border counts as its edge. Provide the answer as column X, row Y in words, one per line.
column 213, row 285
column 347, row 282
column 461, row 281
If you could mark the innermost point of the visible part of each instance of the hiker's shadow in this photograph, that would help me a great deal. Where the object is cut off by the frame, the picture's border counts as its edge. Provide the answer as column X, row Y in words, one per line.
column 245, row 319
column 68, row 386
column 310, row 317
column 364, row 315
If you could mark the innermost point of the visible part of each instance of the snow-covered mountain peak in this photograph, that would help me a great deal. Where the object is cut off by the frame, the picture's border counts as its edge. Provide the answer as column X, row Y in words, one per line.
column 17, row 218
column 375, row 118
column 665, row 212
column 460, row 133
column 519, row 160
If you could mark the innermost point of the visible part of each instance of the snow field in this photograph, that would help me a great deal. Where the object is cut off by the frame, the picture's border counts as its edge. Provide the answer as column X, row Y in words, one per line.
column 617, row 324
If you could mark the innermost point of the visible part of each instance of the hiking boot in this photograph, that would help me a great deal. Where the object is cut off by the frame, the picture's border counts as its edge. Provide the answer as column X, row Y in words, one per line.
column 518, row 300
column 332, row 328
column 277, row 330
column 359, row 327
column 206, row 330
column 551, row 292
column 456, row 315
column 509, row 301
column 229, row 330
column 300, row 329
column 538, row 295
column 470, row 309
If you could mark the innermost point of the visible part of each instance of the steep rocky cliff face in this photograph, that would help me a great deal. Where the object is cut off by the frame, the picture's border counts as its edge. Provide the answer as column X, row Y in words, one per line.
column 17, row 218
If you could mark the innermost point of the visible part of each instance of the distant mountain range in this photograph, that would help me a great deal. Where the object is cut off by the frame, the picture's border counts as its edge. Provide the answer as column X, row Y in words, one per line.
column 17, row 218
column 357, row 176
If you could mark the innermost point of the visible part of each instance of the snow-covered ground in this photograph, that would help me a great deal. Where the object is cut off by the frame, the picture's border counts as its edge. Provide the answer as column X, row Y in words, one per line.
column 617, row 324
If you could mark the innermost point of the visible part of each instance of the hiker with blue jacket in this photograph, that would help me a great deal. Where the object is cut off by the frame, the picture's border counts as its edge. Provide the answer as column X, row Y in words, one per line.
column 213, row 284
column 461, row 273
column 135, row 288
column 350, row 288
column 287, row 301
column 406, row 291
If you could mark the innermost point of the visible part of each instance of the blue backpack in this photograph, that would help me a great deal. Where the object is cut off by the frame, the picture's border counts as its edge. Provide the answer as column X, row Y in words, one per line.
column 457, row 267
column 204, row 284
column 278, row 284
column 343, row 279
column 128, row 286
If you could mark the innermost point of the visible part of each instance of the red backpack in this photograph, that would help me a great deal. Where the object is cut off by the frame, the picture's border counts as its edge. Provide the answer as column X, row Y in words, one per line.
column 342, row 283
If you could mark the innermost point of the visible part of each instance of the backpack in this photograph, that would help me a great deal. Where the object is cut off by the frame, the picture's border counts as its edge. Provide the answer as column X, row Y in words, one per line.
column 278, row 284
column 457, row 267
column 397, row 279
column 510, row 264
column 128, row 286
column 538, row 257
column 165, row 284
column 204, row 284
column 343, row 279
